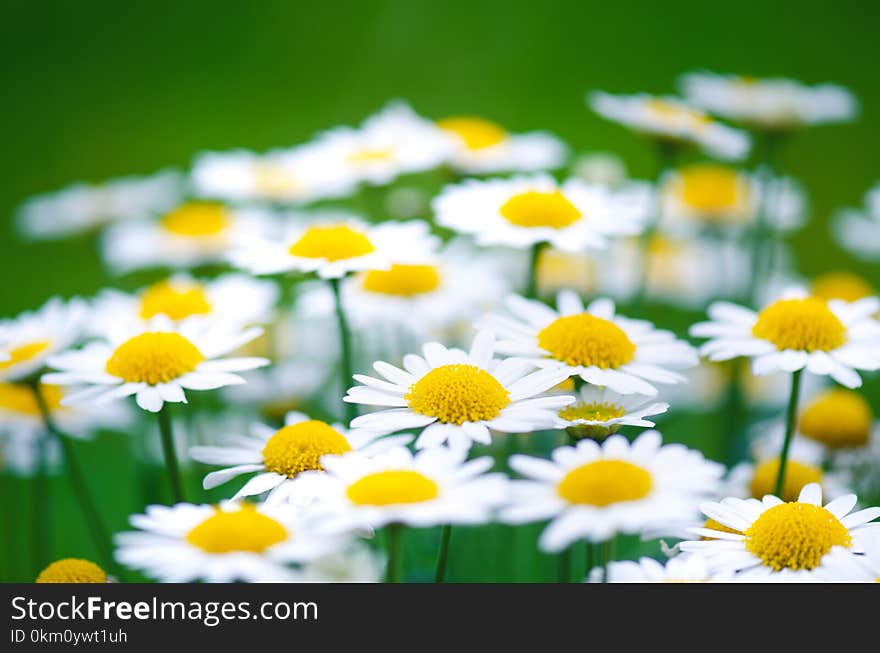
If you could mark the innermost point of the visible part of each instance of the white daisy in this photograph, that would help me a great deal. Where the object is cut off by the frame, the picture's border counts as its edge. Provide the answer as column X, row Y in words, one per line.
column 602, row 348
column 81, row 207
column 771, row 104
column 599, row 412
column 594, row 491
column 482, row 146
column 777, row 540
column 459, row 396
column 840, row 566
column 680, row 569
column 430, row 488
column 357, row 563
column 858, row 230
column 758, row 479
column 220, row 544
column 842, row 284
column 667, row 118
column 281, row 455
column 797, row 332
column 155, row 363
column 524, row 211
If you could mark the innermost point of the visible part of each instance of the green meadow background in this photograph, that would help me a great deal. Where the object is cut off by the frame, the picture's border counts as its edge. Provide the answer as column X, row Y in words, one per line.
column 93, row 90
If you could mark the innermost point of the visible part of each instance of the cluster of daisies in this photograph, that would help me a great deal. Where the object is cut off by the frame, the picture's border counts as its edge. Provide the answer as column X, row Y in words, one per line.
column 389, row 358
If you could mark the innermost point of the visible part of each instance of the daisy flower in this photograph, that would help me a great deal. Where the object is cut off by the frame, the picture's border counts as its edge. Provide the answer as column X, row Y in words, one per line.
column 600, row 168
column 845, row 285
column 680, row 569
column 482, row 146
column 840, row 566
column 797, row 332
column 220, row 544
column 458, row 396
column 281, row 455
column 599, row 412
column 837, row 419
column 758, row 479
column 527, row 210
column 602, row 348
column 858, row 230
column 73, row 570
column 82, row 207
column 357, row 563
column 594, row 491
column 155, row 362
column 670, row 119
column 430, row 488
column 773, row 104
column 778, row 540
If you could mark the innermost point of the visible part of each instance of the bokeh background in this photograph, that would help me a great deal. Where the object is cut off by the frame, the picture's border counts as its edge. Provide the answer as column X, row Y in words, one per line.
column 94, row 90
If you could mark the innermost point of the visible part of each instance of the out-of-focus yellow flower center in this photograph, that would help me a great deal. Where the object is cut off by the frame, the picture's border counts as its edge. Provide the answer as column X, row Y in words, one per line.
column 368, row 157
column 842, row 285
column 804, row 324
column 243, row 529
column 19, row 398
column 603, row 482
column 795, row 535
column 72, row 570
column 332, row 242
column 558, row 269
column 797, row 475
column 711, row 190
column 717, row 526
column 593, row 412
column 24, row 353
column 154, row 357
column 391, row 488
column 838, row 418
column 475, row 133
column 540, row 209
column 274, row 181
column 674, row 114
column 298, row 447
column 175, row 299
column 403, row 280
column 458, row 393
column 197, row 220
column 587, row 340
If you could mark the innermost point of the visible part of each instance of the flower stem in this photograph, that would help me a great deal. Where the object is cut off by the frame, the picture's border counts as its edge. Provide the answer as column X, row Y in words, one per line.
column 170, row 453
column 589, row 558
column 532, row 281
column 605, row 556
column 790, row 419
column 349, row 410
column 41, row 518
column 442, row 554
column 565, row 566
column 393, row 532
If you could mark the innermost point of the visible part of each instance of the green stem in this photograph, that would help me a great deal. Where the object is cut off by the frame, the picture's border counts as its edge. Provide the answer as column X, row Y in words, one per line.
column 532, row 281
column 394, row 558
column 170, row 453
column 734, row 411
column 442, row 554
column 790, row 419
column 349, row 410
column 589, row 558
column 41, row 519
column 606, row 557
column 565, row 566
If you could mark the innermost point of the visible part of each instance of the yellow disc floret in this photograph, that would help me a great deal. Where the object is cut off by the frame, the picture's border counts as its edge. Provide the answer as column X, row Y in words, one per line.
column 18, row 398
column 72, row 570
column 154, row 357
column 841, row 285
column 603, row 482
column 197, row 220
column 403, row 280
column 475, row 133
column 391, row 488
column 332, row 242
column 458, row 393
column 593, row 412
column 540, row 209
column 711, row 190
column 797, row 475
column 803, row 324
column 175, row 299
column 244, row 529
column 298, row 447
column 838, row 418
column 24, row 353
column 795, row 535
column 587, row 340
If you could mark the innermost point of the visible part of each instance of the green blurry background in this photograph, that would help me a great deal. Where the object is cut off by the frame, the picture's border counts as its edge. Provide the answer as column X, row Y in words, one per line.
column 99, row 89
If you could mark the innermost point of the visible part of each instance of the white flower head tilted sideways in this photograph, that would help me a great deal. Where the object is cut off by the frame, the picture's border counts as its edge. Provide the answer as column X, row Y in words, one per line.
column 526, row 210
column 458, row 396
column 593, row 492
column 155, row 363
column 280, row 455
column 796, row 332
column 858, row 230
column 599, row 412
column 770, row 539
column 221, row 544
column 592, row 342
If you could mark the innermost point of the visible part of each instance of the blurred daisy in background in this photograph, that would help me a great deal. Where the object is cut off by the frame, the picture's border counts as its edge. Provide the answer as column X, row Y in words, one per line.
column 73, row 570
column 680, row 569
column 357, row 563
column 600, row 168
column 845, row 285
column 757, row 479
column 276, row 390
column 858, row 230
column 599, row 412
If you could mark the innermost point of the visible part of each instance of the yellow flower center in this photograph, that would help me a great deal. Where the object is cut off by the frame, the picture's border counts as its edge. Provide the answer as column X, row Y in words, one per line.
column 368, row 156
column 603, row 482
column 717, row 526
column 797, row 475
column 403, row 280
column 804, row 324
column 174, row 299
column 273, row 180
column 475, row 133
column 842, row 285
column 244, row 529
column 838, row 418
column 593, row 412
column 558, row 269
column 155, row 357
column 795, row 535
column 540, row 209
column 24, row 353
column 332, row 242
column 72, row 570
column 711, row 189
column 458, row 393
column 18, row 398
column 298, row 447
column 673, row 114
column 197, row 220
column 391, row 488
column 587, row 340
